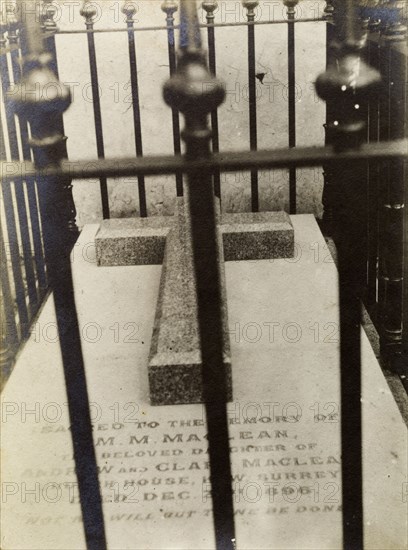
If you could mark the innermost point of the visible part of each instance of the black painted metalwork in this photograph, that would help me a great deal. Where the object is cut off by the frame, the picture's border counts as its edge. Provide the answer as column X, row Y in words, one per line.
column 393, row 116
column 225, row 162
column 10, row 216
column 30, row 186
column 209, row 7
column 184, row 91
column 291, row 10
column 250, row 6
column 88, row 11
column 201, row 26
column 373, row 182
column 328, row 197
column 349, row 84
column 129, row 9
column 170, row 7
column 48, row 145
column 9, row 335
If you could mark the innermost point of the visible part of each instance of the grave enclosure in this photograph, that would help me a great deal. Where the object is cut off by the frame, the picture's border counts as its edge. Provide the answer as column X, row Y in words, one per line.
column 209, row 384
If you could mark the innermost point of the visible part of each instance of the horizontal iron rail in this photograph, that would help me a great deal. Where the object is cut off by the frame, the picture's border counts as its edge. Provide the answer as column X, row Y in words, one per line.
column 225, row 162
column 201, row 26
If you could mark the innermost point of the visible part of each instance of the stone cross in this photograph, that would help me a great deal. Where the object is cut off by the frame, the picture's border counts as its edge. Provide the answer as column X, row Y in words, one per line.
column 175, row 358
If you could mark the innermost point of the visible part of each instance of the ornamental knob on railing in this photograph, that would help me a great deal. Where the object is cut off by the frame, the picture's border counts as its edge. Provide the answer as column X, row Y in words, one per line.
column 12, row 23
column 41, row 99
column 3, row 26
column 89, row 12
column 291, row 7
column 396, row 29
column 209, row 6
column 349, row 83
column 47, row 16
column 129, row 9
column 328, row 10
column 192, row 89
column 169, row 7
column 373, row 17
column 250, row 6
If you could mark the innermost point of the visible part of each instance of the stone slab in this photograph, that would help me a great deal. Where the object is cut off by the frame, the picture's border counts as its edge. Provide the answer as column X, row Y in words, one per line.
column 175, row 360
column 257, row 236
column 153, row 461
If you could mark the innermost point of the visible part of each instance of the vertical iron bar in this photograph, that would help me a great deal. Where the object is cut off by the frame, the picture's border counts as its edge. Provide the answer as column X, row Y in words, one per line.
column 48, row 146
column 328, row 197
column 383, row 181
column 349, row 85
column 30, row 187
column 88, row 11
column 291, row 5
column 169, row 7
column 11, row 218
column 210, row 7
column 373, row 185
column 18, row 183
column 250, row 5
column 391, row 259
column 179, row 93
column 9, row 334
column 404, row 351
column 129, row 9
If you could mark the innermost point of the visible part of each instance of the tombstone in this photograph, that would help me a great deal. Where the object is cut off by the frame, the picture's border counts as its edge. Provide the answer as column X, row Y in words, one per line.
column 283, row 420
column 175, row 358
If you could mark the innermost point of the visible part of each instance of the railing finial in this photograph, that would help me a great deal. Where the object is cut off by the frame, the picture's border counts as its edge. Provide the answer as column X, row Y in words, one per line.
column 250, row 6
column 48, row 13
column 192, row 89
column 89, row 12
column 129, row 9
column 169, row 7
column 12, row 23
column 291, row 7
column 3, row 25
column 328, row 10
column 209, row 6
column 396, row 29
column 349, row 82
column 39, row 97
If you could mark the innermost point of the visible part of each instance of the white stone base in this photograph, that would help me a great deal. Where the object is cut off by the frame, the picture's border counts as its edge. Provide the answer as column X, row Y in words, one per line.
column 283, row 322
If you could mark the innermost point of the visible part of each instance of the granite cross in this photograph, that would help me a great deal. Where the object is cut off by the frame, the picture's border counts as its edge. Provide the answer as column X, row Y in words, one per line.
column 175, row 357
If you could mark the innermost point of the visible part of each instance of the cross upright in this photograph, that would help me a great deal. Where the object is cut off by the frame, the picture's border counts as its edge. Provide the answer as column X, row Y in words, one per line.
column 175, row 358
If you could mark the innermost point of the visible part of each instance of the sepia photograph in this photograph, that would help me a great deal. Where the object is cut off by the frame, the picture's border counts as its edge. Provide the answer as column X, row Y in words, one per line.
column 204, row 275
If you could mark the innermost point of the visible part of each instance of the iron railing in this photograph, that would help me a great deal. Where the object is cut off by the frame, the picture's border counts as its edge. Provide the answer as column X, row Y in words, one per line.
column 386, row 115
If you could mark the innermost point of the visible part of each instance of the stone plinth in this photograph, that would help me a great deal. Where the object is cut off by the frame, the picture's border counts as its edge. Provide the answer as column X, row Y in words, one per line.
column 284, row 423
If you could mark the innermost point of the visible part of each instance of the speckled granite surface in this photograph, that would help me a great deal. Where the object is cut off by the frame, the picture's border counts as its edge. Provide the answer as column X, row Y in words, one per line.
column 257, row 236
column 132, row 241
column 175, row 359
